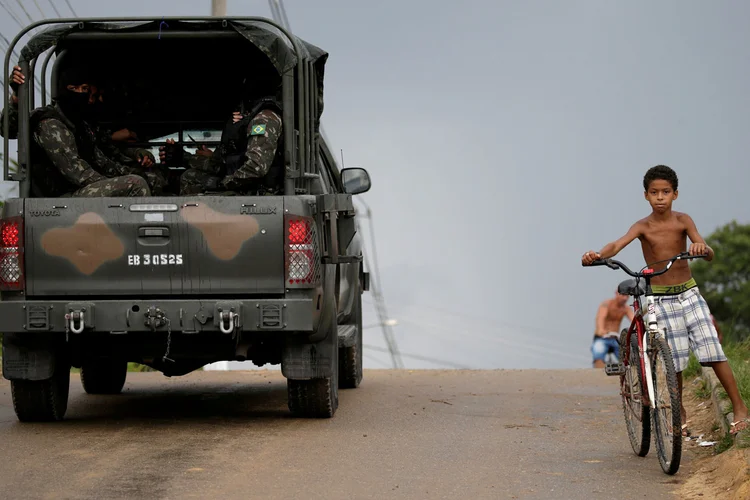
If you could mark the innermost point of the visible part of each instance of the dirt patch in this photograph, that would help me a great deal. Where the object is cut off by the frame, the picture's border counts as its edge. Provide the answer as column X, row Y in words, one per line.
column 722, row 476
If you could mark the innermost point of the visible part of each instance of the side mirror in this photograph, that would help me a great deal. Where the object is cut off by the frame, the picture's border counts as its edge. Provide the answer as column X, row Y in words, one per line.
column 355, row 180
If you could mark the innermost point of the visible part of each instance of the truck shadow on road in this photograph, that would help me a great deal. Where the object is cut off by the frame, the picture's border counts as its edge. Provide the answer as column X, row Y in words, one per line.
column 229, row 401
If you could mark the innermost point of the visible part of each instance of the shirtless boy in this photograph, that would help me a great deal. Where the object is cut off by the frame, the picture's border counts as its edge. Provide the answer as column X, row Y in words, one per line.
column 680, row 308
column 607, row 332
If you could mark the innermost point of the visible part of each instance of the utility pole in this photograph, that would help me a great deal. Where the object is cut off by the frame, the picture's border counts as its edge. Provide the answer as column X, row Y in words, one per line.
column 385, row 322
column 278, row 13
column 218, row 8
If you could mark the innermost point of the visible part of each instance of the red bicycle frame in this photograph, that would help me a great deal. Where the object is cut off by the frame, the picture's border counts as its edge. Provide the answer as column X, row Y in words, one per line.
column 637, row 326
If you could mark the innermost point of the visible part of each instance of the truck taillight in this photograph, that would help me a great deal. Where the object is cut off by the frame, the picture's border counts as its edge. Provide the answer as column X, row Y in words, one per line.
column 11, row 254
column 302, row 268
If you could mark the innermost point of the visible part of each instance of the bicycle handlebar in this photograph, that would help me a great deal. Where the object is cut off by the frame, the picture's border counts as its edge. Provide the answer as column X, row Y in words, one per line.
column 615, row 264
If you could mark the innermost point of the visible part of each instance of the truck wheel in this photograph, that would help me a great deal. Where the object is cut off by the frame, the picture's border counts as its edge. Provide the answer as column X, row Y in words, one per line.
column 42, row 400
column 318, row 397
column 350, row 358
column 103, row 376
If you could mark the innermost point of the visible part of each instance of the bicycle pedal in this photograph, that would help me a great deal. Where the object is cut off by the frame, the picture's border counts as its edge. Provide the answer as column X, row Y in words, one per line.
column 613, row 369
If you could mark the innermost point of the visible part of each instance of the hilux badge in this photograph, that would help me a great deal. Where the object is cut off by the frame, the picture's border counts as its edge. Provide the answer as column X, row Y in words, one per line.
column 258, row 210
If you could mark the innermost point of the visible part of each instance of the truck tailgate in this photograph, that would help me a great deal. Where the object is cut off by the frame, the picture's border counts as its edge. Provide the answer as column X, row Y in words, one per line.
column 198, row 245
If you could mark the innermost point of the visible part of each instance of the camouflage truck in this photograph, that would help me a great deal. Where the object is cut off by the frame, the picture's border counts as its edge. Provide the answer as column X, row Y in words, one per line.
column 177, row 282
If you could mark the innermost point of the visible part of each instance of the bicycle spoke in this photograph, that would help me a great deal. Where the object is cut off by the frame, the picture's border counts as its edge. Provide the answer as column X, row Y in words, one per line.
column 667, row 413
column 637, row 415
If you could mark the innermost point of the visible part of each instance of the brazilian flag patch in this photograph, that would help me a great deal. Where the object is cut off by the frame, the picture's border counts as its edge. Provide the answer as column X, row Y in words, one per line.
column 259, row 129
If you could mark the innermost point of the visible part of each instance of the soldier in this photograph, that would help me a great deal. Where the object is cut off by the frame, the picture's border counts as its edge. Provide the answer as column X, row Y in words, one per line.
column 68, row 159
column 131, row 160
column 17, row 79
column 249, row 159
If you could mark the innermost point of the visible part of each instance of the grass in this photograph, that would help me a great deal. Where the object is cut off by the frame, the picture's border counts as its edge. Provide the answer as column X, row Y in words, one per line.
column 724, row 444
column 693, row 367
column 738, row 355
column 739, row 360
column 132, row 367
column 702, row 391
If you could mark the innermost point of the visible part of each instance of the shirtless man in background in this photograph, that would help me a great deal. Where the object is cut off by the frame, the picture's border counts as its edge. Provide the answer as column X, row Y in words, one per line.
column 607, row 332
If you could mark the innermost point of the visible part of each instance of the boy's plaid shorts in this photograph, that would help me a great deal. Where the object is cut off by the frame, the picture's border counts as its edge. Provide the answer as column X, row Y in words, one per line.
column 687, row 321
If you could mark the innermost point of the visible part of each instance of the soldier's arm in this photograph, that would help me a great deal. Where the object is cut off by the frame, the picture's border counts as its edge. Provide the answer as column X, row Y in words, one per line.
column 109, row 166
column 263, row 132
column 60, row 145
column 12, row 110
column 134, row 154
column 211, row 164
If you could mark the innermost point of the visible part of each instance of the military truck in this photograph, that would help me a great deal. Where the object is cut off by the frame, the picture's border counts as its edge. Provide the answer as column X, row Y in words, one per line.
column 177, row 282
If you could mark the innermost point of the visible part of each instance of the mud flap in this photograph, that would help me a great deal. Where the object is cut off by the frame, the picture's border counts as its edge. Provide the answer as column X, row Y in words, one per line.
column 302, row 361
column 27, row 357
column 315, row 356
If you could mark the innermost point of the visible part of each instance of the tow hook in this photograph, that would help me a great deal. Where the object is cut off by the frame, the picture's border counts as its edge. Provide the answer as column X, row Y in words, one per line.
column 70, row 321
column 156, row 318
column 227, row 321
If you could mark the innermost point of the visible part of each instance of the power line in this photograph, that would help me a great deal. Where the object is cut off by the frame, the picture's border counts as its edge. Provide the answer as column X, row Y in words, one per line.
column 20, row 4
column 421, row 358
column 469, row 331
column 12, row 14
column 44, row 16
column 377, row 294
column 539, row 350
column 376, row 360
column 55, row 8
column 278, row 12
column 71, row 8
column 36, row 77
column 482, row 322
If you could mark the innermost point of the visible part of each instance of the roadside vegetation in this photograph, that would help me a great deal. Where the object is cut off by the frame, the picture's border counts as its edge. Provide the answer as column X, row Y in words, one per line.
column 725, row 283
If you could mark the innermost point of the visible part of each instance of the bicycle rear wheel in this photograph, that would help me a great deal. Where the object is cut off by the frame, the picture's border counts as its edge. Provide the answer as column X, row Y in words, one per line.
column 667, row 410
column 637, row 415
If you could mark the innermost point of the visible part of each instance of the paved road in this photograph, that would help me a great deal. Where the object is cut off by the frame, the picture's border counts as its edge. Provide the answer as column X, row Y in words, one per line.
column 423, row 434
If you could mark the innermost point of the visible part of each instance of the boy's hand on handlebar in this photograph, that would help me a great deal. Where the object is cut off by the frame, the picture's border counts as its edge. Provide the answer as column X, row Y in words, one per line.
column 589, row 257
column 699, row 249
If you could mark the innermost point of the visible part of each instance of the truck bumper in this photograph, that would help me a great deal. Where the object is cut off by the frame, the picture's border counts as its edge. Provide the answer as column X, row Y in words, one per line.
column 186, row 316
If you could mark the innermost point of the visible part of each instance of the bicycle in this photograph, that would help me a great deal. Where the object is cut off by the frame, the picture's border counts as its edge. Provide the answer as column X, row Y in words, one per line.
column 646, row 363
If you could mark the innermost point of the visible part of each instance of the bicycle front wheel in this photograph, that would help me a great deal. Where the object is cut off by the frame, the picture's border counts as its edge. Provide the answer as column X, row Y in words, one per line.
column 667, row 409
column 637, row 414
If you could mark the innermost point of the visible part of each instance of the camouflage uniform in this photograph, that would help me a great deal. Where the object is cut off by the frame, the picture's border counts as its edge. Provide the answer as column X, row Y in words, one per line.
column 127, row 160
column 59, row 144
column 120, row 176
column 210, row 172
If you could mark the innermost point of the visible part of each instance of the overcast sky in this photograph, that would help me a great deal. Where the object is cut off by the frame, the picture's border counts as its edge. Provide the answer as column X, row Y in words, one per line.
column 506, row 138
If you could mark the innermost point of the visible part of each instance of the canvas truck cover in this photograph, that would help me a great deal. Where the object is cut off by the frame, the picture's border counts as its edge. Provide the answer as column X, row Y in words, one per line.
column 262, row 34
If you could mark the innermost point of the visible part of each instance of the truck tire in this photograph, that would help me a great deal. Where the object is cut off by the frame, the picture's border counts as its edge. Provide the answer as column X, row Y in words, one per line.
column 318, row 397
column 103, row 376
column 350, row 358
column 43, row 400
column 315, row 398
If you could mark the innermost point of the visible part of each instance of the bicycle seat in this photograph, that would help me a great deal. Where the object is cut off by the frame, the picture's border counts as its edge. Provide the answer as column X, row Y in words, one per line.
column 628, row 287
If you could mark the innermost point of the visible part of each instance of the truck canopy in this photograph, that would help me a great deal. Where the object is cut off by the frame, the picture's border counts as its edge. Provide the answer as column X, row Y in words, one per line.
column 172, row 75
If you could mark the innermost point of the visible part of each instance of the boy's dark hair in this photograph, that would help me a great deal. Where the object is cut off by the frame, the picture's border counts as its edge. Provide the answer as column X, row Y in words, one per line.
column 660, row 172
